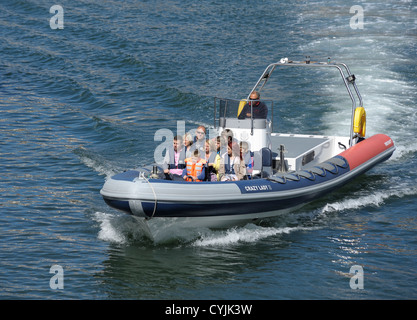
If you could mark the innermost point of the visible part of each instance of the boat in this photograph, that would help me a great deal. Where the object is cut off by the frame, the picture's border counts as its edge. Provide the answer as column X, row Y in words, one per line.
column 289, row 170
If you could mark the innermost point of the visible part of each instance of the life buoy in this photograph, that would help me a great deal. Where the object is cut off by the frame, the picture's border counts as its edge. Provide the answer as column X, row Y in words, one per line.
column 359, row 122
column 241, row 105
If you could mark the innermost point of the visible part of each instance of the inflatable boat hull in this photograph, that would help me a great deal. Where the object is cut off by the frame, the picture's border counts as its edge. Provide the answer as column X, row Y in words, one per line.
column 217, row 204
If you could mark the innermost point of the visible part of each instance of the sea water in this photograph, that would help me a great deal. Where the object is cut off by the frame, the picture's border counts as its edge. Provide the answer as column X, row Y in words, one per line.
column 84, row 87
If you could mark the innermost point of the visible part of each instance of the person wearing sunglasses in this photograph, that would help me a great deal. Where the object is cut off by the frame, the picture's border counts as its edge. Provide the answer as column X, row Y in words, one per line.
column 259, row 109
column 200, row 139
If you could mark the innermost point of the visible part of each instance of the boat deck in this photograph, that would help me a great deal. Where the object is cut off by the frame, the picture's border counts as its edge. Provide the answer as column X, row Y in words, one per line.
column 305, row 150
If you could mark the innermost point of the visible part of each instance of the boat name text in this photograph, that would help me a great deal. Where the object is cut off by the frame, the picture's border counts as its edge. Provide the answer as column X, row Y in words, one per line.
column 263, row 187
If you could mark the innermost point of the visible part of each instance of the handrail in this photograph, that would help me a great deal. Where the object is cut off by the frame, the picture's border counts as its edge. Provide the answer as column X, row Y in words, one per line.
column 347, row 79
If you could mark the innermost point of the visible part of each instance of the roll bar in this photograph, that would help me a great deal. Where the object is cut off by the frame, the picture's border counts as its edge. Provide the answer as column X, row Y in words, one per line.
column 347, row 76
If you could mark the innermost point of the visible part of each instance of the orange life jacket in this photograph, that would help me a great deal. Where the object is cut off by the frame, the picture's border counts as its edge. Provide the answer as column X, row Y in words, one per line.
column 194, row 169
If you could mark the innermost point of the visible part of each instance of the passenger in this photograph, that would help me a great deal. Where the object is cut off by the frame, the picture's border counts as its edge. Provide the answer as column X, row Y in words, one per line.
column 232, row 167
column 259, row 109
column 228, row 135
column 218, row 144
column 225, row 140
column 212, row 160
column 189, row 147
column 195, row 168
column 200, row 139
column 174, row 161
column 218, row 155
column 247, row 156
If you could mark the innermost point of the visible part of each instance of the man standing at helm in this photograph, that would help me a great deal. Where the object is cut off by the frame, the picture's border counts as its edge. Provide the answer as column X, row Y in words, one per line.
column 259, row 109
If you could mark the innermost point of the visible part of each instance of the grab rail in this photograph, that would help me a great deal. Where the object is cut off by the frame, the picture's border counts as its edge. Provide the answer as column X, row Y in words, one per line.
column 347, row 76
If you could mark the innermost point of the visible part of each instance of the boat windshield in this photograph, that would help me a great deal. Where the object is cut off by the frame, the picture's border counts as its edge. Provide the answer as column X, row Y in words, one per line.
column 242, row 109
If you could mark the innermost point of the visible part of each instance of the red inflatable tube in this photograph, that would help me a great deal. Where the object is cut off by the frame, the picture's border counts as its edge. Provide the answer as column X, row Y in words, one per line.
column 367, row 149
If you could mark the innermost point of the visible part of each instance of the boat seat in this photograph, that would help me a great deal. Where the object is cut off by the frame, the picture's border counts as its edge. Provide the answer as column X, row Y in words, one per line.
column 262, row 162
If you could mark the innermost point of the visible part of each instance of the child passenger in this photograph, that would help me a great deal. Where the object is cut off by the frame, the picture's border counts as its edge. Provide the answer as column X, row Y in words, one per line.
column 195, row 168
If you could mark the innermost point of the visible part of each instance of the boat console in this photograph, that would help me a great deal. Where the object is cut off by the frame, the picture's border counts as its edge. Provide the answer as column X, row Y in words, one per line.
column 288, row 152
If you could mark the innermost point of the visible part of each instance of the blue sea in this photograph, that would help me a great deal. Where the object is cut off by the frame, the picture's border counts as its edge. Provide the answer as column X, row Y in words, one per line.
column 82, row 101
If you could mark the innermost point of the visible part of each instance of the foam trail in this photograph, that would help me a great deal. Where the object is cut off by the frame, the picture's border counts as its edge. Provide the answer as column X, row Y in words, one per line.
column 107, row 231
column 375, row 199
column 120, row 229
column 248, row 234
column 388, row 92
column 96, row 162
column 403, row 150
